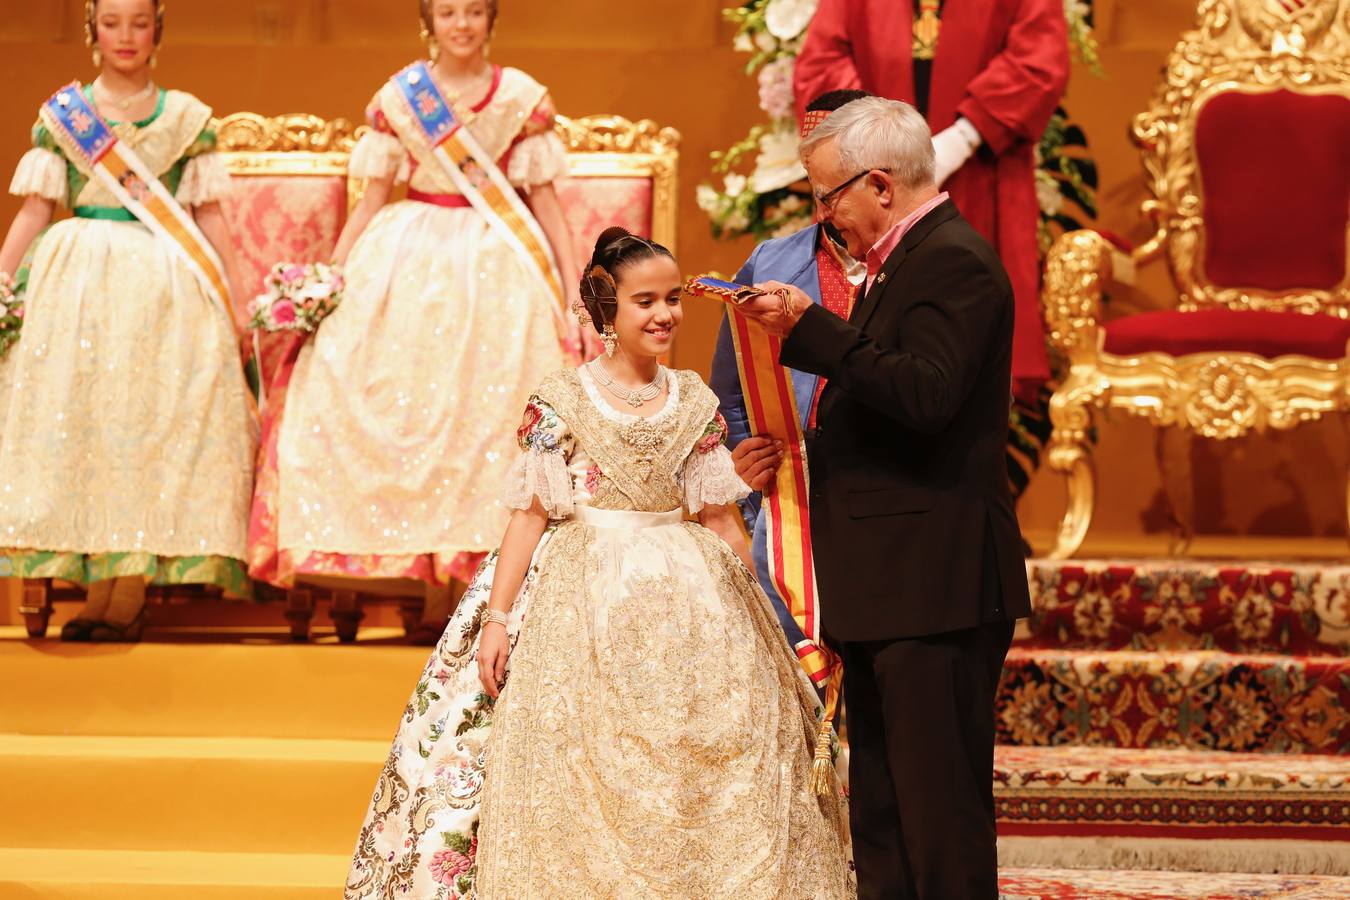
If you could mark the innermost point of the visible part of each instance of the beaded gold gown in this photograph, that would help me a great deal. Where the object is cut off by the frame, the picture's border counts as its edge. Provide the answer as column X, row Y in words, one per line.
column 655, row 735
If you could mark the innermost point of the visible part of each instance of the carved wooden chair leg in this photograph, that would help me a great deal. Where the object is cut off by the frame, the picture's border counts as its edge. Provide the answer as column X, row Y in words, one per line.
column 346, row 615
column 410, row 612
column 36, row 606
column 1069, row 453
column 300, row 612
column 1172, row 449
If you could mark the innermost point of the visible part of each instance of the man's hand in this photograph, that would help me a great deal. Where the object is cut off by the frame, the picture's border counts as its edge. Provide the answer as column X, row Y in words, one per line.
column 757, row 459
column 777, row 314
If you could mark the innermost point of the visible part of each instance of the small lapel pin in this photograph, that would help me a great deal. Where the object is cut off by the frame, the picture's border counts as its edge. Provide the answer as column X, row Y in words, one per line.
column 63, row 100
column 881, row 277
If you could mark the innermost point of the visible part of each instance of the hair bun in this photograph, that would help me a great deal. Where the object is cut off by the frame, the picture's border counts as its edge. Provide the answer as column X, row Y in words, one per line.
column 609, row 236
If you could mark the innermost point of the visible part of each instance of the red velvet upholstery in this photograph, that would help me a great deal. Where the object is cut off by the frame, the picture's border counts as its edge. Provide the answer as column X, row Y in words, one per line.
column 1267, row 334
column 594, row 204
column 1275, row 172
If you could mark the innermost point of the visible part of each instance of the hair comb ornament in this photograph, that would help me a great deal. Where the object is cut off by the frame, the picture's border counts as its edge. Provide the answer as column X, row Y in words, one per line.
column 600, row 285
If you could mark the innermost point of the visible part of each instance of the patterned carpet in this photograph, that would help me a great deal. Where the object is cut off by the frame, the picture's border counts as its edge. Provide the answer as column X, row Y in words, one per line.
column 1179, row 715
column 1098, row 884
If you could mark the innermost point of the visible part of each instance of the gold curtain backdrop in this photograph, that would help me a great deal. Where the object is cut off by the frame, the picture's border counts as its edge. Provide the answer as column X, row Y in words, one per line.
column 671, row 61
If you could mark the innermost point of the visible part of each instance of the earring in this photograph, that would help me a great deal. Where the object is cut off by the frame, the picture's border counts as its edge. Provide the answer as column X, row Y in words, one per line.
column 610, row 338
column 433, row 48
column 98, row 58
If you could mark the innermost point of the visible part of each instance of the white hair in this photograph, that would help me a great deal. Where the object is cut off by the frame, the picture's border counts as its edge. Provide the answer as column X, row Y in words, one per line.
column 876, row 133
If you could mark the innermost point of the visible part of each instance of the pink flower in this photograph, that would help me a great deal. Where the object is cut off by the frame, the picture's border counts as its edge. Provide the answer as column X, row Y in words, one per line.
column 775, row 88
column 447, row 865
column 293, row 274
column 283, row 312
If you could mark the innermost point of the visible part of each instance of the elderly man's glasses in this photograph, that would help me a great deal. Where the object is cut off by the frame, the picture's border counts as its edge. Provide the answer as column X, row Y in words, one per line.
column 828, row 199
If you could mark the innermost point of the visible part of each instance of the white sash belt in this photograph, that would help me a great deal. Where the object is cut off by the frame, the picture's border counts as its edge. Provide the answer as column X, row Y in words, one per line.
column 626, row 519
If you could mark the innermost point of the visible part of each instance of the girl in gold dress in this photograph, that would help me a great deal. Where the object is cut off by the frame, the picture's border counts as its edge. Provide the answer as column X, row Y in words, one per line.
column 128, row 432
column 653, row 735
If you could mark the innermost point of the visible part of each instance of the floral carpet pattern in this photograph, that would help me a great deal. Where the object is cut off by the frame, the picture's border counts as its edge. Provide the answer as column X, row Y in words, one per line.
column 1095, row 884
column 1202, row 700
column 1178, row 605
column 1177, row 714
column 1170, row 793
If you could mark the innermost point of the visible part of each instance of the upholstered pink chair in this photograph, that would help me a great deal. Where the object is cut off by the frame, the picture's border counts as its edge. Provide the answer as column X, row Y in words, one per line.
column 619, row 173
column 290, row 197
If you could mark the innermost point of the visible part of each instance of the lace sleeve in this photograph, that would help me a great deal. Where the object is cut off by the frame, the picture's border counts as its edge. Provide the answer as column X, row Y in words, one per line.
column 538, row 159
column 379, row 155
column 205, row 180
column 541, row 471
column 710, row 477
column 41, row 173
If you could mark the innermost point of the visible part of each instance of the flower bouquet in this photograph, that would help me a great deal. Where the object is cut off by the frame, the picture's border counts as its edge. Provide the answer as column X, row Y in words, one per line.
column 296, row 297
column 11, row 312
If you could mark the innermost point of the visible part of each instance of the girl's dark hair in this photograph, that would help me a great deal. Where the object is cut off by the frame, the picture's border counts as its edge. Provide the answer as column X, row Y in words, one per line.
column 615, row 250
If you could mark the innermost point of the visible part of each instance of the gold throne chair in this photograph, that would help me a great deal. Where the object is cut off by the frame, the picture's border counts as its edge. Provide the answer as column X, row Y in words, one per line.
column 292, row 197
column 1246, row 152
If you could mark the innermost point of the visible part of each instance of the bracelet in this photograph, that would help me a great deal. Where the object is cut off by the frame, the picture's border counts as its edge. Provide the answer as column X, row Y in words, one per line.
column 494, row 615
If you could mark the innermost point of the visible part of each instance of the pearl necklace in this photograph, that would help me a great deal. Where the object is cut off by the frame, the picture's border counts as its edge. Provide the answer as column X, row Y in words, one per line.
column 127, row 102
column 633, row 398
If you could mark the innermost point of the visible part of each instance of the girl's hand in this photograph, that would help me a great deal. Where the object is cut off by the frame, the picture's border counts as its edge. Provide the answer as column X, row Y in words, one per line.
column 494, row 648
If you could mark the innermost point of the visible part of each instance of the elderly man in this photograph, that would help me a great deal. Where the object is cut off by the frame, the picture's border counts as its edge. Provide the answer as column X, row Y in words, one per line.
column 917, row 548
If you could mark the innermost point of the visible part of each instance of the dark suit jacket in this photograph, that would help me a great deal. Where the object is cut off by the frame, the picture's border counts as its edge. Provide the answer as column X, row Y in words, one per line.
column 911, row 514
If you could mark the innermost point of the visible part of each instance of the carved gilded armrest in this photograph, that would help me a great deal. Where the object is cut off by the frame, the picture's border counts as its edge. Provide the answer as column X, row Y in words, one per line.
column 1076, row 268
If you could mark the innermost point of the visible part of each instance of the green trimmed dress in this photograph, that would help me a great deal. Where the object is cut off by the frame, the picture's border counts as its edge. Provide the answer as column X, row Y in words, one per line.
column 127, row 431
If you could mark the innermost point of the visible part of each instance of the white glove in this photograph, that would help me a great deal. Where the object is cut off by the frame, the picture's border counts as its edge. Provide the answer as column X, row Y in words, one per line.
column 952, row 147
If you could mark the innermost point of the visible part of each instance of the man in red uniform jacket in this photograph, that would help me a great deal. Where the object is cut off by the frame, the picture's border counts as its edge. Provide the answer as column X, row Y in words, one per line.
column 987, row 75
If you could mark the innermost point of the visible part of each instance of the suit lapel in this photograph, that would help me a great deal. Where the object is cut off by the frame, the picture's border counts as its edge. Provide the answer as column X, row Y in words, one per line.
column 867, row 304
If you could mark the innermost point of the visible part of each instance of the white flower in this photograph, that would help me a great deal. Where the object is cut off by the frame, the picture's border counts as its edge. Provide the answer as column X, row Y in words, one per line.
column 765, row 41
column 734, row 185
column 777, row 165
column 775, row 88
column 788, row 18
column 743, row 43
column 1048, row 196
column 790, row 227
column 707, row 198
column 792, row 204
column 736, row 222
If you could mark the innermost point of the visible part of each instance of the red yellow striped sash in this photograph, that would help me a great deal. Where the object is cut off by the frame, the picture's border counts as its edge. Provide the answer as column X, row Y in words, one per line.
column 771, row 408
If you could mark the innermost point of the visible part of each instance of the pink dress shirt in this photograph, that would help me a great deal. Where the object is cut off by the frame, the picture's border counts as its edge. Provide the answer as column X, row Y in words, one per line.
column 891, row 239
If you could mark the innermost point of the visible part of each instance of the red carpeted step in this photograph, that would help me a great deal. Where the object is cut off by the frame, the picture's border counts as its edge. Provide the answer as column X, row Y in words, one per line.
column 1115, row 884
column 1282, row 608
column 1203, row 700
column 1101, row 806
